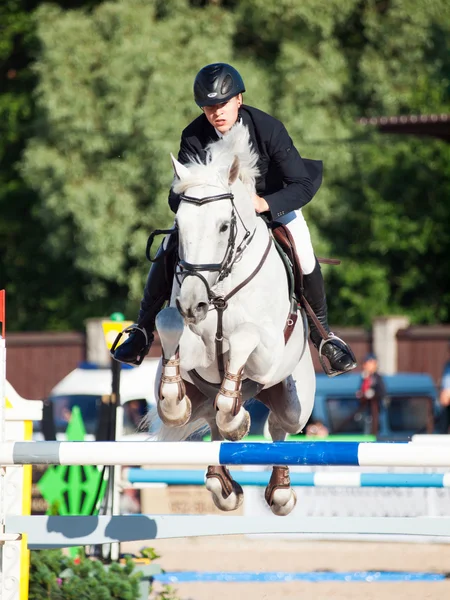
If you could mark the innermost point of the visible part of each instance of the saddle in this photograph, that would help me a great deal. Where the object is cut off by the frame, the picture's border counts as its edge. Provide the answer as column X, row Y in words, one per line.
column 286, row 247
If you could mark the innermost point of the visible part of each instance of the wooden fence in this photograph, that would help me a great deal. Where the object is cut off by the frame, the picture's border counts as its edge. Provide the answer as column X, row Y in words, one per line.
column 38, row 361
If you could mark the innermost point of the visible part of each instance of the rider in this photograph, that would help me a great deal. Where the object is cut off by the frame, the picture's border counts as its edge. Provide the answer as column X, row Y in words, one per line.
column 285, row 184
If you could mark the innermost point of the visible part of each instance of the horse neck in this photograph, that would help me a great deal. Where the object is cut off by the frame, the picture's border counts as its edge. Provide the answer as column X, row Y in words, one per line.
column 244, row 206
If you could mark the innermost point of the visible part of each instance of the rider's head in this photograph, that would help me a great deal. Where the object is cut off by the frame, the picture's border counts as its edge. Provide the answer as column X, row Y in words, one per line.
column 370, row 364
column 218, row 91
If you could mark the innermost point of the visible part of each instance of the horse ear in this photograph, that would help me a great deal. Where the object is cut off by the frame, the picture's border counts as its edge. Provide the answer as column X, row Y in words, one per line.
column 234, row 171
column 179, row 170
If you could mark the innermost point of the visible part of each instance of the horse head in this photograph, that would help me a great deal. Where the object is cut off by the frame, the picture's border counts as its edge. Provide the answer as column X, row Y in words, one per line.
column 215, row 219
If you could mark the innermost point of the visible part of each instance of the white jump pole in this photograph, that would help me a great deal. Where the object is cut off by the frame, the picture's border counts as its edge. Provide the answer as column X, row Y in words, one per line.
column 372, row 454
column 62, row 532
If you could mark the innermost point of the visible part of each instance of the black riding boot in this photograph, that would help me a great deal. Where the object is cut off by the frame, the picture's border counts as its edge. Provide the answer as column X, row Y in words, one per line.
column 339, row 355
column 156, row 292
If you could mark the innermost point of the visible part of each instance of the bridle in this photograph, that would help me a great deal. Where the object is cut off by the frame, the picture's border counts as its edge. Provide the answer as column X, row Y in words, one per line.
column 232, row 254
column 218, row 301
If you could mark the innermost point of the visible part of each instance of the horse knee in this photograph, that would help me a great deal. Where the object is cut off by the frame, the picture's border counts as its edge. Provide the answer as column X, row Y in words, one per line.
column 243, row 341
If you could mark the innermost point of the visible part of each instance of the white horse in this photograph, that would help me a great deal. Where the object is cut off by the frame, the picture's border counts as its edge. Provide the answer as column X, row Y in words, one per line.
column 224, row 333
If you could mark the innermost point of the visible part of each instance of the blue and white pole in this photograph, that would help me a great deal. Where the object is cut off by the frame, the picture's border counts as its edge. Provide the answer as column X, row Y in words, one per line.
column 139, row 478
column 373, row 454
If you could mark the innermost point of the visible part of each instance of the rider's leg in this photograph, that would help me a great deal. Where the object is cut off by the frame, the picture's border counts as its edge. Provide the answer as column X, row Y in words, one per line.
column 156, row 292
column 339, row 355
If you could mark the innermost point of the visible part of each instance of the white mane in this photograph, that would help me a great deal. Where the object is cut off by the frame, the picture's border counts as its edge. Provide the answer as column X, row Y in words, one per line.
column 220, row 155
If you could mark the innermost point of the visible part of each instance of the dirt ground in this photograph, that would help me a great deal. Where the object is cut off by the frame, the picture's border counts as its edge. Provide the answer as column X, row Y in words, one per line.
column 238, row 553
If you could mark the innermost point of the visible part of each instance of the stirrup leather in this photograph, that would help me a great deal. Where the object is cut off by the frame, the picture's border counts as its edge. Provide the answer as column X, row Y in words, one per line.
column 131, row 329
column 337, row 342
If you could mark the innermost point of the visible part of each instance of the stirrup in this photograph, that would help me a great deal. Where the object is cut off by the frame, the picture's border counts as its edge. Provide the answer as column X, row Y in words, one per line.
column 337, row 342
column 131, row 329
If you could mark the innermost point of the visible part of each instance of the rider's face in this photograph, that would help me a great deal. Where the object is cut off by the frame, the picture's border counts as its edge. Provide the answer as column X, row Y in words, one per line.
column 224, row 116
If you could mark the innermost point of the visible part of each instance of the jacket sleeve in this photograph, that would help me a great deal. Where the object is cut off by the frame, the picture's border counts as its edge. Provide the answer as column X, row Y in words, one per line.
column 298, row 188
column 380, row 388
column 185, row 154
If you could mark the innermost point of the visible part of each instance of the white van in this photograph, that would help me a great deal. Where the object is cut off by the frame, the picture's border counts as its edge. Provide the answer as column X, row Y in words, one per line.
column 88, row 384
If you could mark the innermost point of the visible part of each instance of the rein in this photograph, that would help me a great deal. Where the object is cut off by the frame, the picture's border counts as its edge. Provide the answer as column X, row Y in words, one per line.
column 220, row 303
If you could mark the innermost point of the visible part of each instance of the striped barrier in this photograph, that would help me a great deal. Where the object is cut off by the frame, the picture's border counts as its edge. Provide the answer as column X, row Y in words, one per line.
column 175, row 577
column 373, row 454
column 138, row 478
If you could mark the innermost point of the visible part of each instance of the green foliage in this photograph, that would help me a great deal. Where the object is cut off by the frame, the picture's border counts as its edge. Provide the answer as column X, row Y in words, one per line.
column 168, row 593
column 384, row 202
column 57, row 577
column 114, row 94
column 114, row 91
column 43, row 292
column 149, row 553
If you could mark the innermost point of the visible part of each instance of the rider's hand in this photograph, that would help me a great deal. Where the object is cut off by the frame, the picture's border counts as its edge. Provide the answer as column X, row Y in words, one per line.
column 260, row 204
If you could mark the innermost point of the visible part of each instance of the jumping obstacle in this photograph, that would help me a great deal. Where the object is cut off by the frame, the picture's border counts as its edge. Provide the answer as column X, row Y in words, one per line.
column 372, row 454
column 61, row 532
column 139, row 478
column 16, row 422
column 17, row 528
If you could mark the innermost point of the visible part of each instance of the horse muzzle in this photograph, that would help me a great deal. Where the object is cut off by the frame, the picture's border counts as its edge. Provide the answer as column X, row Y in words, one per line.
column 192, row 312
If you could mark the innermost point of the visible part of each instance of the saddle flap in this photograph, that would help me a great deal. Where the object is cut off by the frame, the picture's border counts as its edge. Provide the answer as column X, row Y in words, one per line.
column 285, row 240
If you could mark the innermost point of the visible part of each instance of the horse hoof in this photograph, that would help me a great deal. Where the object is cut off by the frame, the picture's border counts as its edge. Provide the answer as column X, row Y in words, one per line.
column 283, row 501
column 226, row 503
column 237, row 433
column 184, row 413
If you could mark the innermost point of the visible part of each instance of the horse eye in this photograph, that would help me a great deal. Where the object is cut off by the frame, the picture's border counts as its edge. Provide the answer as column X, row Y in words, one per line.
column 224, row 227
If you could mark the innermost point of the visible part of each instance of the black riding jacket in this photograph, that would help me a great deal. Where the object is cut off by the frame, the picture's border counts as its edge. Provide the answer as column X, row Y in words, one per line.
column 286, row 181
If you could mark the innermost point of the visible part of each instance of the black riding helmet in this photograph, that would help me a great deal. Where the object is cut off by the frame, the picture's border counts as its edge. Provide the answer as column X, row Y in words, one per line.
column 217, row 83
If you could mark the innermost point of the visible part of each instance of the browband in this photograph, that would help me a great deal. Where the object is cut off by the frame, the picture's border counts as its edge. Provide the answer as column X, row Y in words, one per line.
column 205, row 199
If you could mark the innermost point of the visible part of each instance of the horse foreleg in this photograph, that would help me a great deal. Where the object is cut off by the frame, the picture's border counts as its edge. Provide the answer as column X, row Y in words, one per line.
column 173, row 404
column 232, row 419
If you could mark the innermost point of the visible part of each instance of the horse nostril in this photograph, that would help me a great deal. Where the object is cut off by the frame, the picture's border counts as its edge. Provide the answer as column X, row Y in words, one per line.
column 202, row 307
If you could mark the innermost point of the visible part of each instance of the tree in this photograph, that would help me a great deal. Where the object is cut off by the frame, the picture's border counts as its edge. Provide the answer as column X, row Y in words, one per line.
column 114, row 92
column 41, row 290
column 384, row 201
column 397, row 198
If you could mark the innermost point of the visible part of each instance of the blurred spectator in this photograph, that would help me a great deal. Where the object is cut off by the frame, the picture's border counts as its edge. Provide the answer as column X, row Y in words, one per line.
column 444, row 396
column 133, row 413
column 371, row 393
